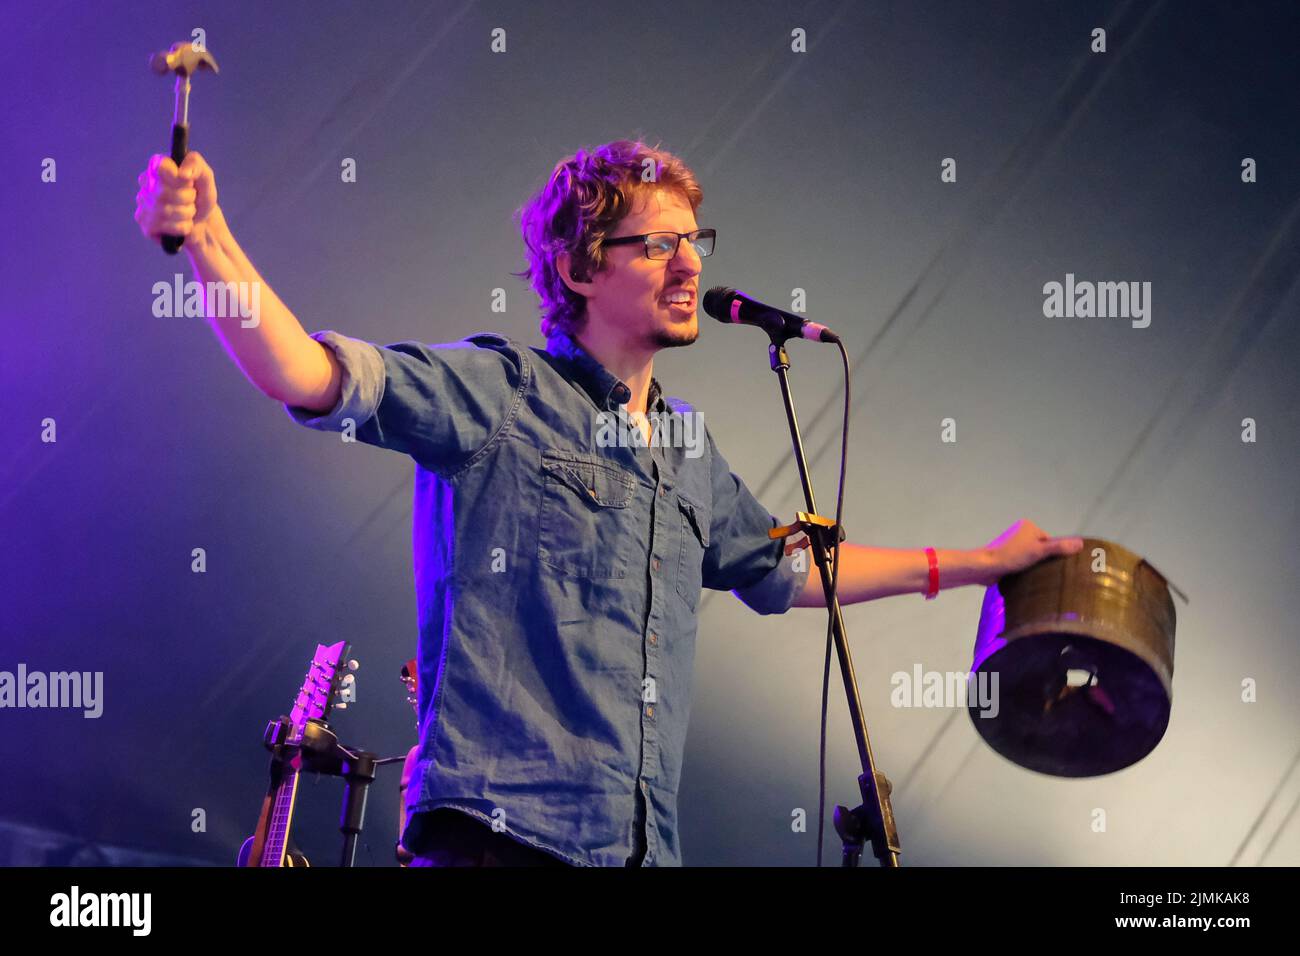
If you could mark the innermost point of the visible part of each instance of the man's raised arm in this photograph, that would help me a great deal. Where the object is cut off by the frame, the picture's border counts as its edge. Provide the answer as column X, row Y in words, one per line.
column 270, row 347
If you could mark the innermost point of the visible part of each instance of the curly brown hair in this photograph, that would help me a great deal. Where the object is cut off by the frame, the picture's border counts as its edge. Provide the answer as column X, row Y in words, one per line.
column 586, row 196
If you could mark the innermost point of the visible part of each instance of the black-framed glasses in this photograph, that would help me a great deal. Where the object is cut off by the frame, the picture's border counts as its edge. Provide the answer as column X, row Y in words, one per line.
column 664, row 245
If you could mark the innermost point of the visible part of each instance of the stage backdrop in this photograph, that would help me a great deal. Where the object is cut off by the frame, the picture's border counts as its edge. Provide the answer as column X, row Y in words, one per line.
column 912, row 174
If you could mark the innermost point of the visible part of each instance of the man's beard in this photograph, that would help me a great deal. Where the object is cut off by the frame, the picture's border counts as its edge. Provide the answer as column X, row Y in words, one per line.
column 670, row 338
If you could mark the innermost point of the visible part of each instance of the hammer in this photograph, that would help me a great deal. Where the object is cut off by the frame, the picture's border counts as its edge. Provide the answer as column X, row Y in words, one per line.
column 183, row 60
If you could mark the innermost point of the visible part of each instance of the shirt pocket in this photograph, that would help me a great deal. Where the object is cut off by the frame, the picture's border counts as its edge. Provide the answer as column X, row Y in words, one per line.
column 695, row 539
column 585, row 526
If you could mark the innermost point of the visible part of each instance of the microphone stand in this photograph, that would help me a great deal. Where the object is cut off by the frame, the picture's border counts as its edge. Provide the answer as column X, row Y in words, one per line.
column 872, row 819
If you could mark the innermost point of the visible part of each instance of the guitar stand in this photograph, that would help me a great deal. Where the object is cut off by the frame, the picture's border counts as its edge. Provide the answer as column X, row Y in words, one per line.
column 322, row 753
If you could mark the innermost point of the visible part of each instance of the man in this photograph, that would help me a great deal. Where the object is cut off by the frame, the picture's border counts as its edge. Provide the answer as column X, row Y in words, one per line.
column 557, row 572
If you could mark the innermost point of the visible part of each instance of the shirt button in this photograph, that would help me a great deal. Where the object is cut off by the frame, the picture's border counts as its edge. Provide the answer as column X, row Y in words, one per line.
column 650, row 710
column 656, row 564
column 661, row 491
column 654, row 638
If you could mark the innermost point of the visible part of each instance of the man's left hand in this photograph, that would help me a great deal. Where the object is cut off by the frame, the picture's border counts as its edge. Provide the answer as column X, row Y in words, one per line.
column 1021, row 545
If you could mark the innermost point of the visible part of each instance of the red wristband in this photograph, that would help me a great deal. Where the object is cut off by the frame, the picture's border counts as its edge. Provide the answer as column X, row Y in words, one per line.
column 934, row 573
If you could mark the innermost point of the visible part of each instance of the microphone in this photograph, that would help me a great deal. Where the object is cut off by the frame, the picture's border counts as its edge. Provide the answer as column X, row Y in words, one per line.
column 730, row 306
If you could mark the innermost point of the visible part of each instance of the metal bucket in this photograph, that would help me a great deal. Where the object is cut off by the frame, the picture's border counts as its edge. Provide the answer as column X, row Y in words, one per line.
column 1083, row 649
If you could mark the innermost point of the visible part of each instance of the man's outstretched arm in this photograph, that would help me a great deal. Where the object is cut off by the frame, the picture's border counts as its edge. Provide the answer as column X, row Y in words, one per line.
column 867, row 573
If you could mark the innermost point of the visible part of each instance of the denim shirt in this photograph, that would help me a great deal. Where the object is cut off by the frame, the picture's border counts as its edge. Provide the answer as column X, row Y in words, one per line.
column 557, row 576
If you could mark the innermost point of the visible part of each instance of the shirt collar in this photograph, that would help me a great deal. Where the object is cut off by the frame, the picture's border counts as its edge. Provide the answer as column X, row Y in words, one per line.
column 605, row 389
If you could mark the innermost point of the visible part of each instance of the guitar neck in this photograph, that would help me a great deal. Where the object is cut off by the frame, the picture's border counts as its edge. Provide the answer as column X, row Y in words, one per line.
column 281, row 816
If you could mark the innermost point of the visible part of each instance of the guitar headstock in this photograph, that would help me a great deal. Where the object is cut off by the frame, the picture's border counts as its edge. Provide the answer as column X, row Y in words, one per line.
column 329, row 683
column 411, row 678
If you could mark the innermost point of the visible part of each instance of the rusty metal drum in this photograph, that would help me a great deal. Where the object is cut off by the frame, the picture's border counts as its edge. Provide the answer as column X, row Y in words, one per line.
column 1082, row 650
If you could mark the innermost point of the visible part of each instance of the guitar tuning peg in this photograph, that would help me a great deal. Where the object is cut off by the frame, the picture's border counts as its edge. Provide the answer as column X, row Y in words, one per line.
column 348, row 689
column 342, row 705
column 353, row 665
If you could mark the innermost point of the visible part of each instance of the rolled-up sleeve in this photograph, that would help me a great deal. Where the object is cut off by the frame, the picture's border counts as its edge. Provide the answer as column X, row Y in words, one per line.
column 362, row 386
column 775, row 592
column 440, row 404
column 741, row 558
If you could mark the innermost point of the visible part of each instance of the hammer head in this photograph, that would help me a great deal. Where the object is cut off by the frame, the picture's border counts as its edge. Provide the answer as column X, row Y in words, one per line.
column 182, row 59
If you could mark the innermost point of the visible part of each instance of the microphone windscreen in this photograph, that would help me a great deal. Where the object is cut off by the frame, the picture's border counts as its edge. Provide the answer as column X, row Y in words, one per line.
column 717, row 302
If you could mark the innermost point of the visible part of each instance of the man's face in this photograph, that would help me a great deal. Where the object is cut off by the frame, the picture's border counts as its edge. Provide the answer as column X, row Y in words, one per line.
column 631, row 293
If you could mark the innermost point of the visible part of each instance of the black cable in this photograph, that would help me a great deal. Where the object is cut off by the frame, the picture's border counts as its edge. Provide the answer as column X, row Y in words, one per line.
column 830, row 603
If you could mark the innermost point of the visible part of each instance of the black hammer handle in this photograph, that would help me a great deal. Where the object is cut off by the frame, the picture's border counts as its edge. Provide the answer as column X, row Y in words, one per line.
column 180, row 146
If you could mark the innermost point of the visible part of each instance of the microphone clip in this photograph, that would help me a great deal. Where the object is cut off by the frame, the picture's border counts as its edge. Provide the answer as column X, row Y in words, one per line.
column 811, row 524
